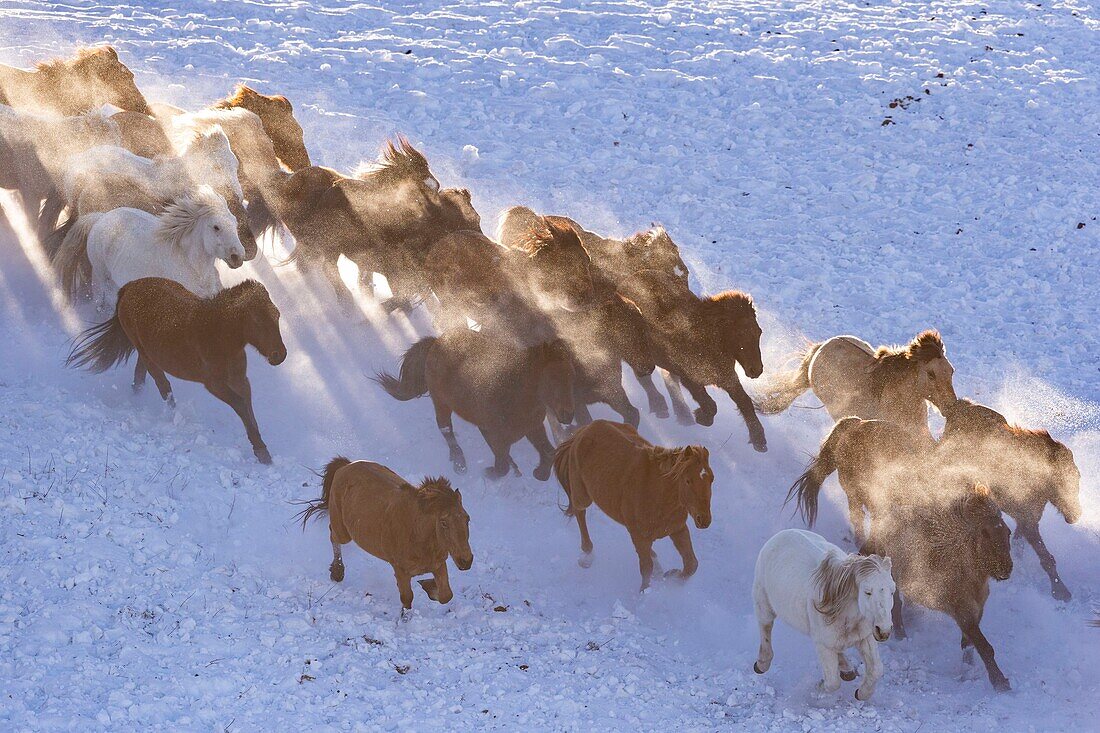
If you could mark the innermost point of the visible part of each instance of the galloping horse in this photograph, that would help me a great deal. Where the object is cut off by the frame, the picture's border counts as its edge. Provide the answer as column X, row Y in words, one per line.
column 92, row 78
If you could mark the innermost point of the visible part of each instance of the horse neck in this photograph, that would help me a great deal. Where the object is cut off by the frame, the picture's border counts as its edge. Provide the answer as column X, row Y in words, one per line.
column 223, row 323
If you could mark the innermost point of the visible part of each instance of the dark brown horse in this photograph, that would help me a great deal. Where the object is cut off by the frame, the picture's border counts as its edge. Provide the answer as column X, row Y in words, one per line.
column 503, row 389
column 1024, row 469
column 616, row 259
column 549, row 262
column 413, row 528
column 92, row 78
column 700, row 340
column 649, row 490
column 943, row 555
column 198, row 340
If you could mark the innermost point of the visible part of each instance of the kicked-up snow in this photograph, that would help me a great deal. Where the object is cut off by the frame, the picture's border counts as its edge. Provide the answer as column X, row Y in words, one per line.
column 861, row 168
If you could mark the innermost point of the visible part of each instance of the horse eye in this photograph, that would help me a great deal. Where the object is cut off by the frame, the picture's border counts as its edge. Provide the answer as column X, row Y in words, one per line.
column 217, row 228
column 868, row 592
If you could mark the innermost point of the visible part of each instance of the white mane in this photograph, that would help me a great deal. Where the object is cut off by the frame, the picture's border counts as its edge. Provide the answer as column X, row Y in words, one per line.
column 180, row 217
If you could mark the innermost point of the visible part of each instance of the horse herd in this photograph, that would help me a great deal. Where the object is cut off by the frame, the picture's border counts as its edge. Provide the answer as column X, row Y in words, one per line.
column 135, row 208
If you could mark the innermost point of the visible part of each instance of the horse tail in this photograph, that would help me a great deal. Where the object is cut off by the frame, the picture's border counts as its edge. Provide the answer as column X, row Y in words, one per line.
column 412, row 382
column 790, row 385
column 319, row 507
column 561, row 470
column 71, row 258
column 806, row 489
column 101, row 347
column 51, row 243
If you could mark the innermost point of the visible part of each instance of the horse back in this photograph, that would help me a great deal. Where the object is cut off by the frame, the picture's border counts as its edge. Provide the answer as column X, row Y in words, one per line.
column 161, row 319
column 840, row 377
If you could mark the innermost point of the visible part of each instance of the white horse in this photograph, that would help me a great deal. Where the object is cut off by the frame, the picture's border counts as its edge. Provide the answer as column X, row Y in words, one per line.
column 182, row 243
column 838, row 600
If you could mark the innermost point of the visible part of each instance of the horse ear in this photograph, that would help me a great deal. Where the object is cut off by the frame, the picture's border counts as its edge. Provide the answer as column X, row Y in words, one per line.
column 110, row 52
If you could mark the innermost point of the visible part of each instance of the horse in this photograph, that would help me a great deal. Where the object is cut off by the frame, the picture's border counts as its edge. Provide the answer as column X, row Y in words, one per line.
column 92, row 78
column 34, row 150
column 503, row 389
column 838, row 600
column 944, row 554
column 1024, row 470
column 92, row 183
column 195, row 339
column 648, row 489
column 142, row 135
column 889, row 383
column 331, row 215
column 616, row 259
column 276, row 113
column 700, row 340
column 181, row 243
column 413, row 528
column 880, row 464
column 549, row 262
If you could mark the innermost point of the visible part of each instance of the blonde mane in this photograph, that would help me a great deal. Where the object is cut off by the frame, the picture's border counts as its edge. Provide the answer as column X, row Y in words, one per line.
column 835, row 581
column 181, row 216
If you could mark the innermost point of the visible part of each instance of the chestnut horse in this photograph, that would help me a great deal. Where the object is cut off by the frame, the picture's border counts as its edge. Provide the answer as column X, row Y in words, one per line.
column 943, row 555
column 890, row 383
column 195, row 339
column 616, row 259
column 413, row 528
column 92, row 78
column 700, row 340
column 277, row 115
column 549, row 263
column 648, row 489
column 1024, row 470
column 503, row 389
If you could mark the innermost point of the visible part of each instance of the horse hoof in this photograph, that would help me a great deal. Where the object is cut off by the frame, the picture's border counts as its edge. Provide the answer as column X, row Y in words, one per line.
column 848, row 677
column 585, row 560
column 542, row 473
column 495, row 475
column 685, row 420
column 706, row 419
column 263, row 456
column 1001, row 685
column 761, row 445
column 661, row 414
column 459, row 467
column 861, row 699
column 171, row 400
column 756, row 668
column 430, row 588
column 1061, row 592
column 336, row 573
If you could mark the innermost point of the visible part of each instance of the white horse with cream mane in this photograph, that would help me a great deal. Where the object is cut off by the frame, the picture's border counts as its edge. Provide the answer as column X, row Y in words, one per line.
column 182, row 243
column 838, row 600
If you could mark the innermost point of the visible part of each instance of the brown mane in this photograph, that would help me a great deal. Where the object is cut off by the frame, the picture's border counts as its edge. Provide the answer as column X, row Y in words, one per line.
column 83, row 57
column 435, row 494
column 545, row 232
column 893, row 363
column 737, row 303
column 673, row 463
column 243, row 95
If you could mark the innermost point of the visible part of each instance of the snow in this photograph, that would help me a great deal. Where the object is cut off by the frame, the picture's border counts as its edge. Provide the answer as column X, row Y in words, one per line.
column 150, row 574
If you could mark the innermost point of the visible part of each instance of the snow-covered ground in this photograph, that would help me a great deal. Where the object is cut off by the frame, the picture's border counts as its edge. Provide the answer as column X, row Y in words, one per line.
column 859, row 167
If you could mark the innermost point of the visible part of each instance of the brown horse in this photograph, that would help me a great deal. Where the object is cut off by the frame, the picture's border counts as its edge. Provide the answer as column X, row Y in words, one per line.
column 890, row 383
column 143, row 135
column 195, row 339
column 277, row 115
column 413, row 528
column 549, row 262
column 503, row 389
column 648, row 489
column 700, row 340
column 92, row 78
column 943, row 556
column 616, row 259
column 1024, row 469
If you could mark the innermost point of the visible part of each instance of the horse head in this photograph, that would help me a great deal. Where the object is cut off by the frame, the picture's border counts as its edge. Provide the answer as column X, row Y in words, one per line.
column 731, row 319
column 1065, row 482
column 864, row 581
column 654, row 250
column 99, row 73
column 438, row 499
column 991, row 540
column 259, row 318
column 689, row 468
column 558, row 267
column 458, row 212
column 277, row 115
column 209, row 159
column 556, row 377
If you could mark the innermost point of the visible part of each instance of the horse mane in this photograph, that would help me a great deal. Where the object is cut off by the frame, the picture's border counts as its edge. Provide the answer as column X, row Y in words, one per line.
column 243, row 94
column 835, row 580
column 545, row 232
column 399, row 161
column 82, row 57
column 435, row 494
column 181, row 215
column 894, row 362
column 673, row 463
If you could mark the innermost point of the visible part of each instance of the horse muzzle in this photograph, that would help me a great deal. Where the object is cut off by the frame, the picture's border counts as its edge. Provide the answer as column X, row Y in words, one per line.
column 464, row 563
column 702, row 521
column 277, row 358
column 234, row 261
column 880, row 635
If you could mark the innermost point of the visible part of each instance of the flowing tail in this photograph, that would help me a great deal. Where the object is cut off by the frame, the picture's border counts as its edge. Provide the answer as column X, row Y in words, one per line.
column 789, row 386
column 71, row 258
column 561, row 471
column 412, row 382
column 319, row 507
column 806, row 489
column 101, row 347
column 52, row 241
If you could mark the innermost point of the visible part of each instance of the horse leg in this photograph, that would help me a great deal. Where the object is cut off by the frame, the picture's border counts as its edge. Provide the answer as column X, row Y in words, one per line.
column 679, row 404
column 404, row 588
column 585, row 560
column 443, row 421
column 681, row 538
column 581, row 415
column 502, row 454
column 614, row 396
column 644, row 547
column 830, row 668
column 748, row 412
column 344, row 297
column 708, row 408
column 439, row 587
column 896, row 615
column 336, row 569
column 537, row 438
column 240, row 399
column 970, row 629
column 855, row 516
column 658, row 406
column 51, row 212
column 765, row 619
column 140, row 370
column 162, row 383
column 872, row 668
column 847, row 672
column 1030, row 531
